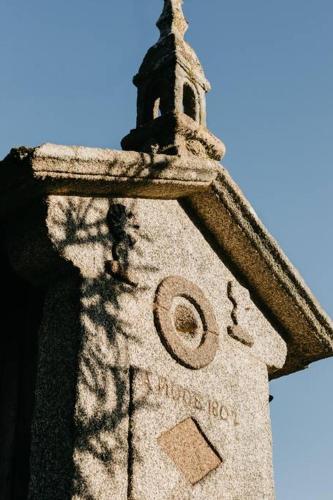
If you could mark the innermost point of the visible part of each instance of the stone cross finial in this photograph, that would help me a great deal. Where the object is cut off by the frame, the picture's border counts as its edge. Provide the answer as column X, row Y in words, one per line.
column 172, row 19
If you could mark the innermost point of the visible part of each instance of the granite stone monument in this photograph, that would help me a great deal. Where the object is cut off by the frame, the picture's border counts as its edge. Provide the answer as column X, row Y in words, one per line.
column 151, row 309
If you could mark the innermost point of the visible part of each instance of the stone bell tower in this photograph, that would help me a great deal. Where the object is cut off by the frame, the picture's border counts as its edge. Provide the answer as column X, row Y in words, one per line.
column 172, row 87
column 146, row 309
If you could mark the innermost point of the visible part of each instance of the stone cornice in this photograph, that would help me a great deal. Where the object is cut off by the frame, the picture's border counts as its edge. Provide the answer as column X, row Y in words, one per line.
column 74, row 170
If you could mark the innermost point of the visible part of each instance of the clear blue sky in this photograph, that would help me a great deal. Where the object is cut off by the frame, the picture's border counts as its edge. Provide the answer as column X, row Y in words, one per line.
column 66, row 69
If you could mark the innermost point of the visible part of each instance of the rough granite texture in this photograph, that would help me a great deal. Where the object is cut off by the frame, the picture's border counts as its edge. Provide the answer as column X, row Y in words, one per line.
column 216, row 206
column 27, row 173
column 231, row 225
column 163, row 320
column 96, row 432
column 190, row 450
column 171, row 103
column 186, row 322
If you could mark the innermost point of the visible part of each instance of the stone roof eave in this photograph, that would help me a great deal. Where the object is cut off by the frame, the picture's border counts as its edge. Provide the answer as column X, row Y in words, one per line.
column 235, row 231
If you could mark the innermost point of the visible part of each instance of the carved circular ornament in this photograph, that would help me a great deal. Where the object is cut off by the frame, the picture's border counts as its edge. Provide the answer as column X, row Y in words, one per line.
column 186, row 323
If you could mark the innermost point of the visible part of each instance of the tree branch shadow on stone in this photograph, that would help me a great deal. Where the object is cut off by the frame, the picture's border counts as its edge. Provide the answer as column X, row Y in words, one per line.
column 101, row 428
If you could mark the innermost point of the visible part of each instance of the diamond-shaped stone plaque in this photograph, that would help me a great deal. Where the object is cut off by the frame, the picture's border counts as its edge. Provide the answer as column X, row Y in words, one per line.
column 190, row 450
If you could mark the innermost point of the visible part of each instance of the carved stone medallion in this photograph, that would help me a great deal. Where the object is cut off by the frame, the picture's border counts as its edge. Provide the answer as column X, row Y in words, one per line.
column 186, row 323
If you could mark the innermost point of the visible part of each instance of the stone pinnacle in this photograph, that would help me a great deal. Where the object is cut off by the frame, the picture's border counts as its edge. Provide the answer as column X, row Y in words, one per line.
column 172, row 19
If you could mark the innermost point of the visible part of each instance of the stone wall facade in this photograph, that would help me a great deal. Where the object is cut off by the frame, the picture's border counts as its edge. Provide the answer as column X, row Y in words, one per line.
column 118, row 404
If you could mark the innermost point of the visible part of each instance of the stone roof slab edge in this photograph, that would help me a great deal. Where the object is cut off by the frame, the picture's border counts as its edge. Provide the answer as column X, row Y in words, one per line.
column 81, row 171
column 238, row 233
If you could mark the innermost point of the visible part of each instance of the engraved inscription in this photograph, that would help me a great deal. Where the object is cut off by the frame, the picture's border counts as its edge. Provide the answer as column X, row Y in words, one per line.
column 166, row 389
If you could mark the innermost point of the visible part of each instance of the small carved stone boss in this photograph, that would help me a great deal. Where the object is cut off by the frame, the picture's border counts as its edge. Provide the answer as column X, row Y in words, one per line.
column 186, row 323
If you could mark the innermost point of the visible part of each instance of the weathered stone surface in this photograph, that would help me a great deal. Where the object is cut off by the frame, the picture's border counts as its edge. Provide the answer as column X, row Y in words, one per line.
column 238, row 333
column 176, row 299
column 228, row 398
column 189, row 448
column 233, row 228
column 27, row 173
column 20, row 309
column 221, row 211
column 125, row 390
column 175, row 134
column 172, row 20
column 171, row 104
column 163, row 320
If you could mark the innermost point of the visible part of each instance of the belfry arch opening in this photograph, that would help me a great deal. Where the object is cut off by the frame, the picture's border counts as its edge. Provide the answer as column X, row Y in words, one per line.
column 157, row 108
column 155, row 102
column 190, row 102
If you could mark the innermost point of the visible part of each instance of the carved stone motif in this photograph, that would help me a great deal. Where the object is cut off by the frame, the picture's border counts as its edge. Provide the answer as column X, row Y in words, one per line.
column 236, row 331
column 186, row 323
column 190, row 450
